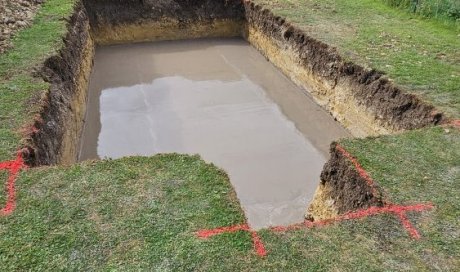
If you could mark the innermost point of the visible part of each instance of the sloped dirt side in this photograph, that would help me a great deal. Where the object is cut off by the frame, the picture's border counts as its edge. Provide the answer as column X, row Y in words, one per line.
column 365, row 101
column 342, row 189
column 56, row 130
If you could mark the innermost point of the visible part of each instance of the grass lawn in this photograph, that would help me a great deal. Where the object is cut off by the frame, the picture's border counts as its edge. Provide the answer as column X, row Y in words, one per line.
column 143, row 213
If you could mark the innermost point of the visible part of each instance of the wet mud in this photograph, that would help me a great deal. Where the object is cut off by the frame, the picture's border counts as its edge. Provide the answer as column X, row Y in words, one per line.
column 218, row 98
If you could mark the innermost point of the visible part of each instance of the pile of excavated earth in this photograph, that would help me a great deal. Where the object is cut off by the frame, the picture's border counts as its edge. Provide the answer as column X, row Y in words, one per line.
column 15, row 15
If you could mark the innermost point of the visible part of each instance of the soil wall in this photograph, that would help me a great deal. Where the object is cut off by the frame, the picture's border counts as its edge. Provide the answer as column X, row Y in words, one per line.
column 342, row 189
column 115, row 21
column 363, row 100
column 58, row 126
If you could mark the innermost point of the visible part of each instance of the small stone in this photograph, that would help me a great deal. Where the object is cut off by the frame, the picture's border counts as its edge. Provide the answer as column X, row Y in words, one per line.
column 21, row 23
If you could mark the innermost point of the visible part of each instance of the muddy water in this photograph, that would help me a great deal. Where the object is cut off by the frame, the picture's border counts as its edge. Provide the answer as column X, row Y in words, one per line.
column 221, row 99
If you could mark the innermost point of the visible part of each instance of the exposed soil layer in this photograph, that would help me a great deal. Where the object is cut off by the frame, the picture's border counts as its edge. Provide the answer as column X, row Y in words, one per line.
column 363, row 100
column 342, row 189
column 57, row 129
column 136, row 20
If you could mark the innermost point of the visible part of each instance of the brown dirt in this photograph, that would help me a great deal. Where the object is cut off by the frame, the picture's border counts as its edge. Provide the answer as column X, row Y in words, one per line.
column 321, row 65
column 343, row 189
column 60, row 121
column 134, row 21
column 116, row 12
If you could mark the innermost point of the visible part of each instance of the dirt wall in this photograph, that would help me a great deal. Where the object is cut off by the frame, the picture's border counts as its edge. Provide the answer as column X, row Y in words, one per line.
column 363, row 100
column 115, row 21
column 58, row 126
column 342, row 188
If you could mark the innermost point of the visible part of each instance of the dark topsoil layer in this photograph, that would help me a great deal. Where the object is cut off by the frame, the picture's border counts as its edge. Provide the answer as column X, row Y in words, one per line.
column 349, row 190
column 61, row 71
column 116, row 12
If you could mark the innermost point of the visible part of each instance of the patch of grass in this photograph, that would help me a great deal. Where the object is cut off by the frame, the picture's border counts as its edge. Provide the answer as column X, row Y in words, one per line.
column 417, row 166
column 128, row 214
column 421, row 55
column 3, row 195
column 142, row 213
column 441, row 9
column 17, row 84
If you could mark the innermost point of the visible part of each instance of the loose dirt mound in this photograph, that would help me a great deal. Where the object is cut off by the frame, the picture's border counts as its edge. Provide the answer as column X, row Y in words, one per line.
column 15, row 15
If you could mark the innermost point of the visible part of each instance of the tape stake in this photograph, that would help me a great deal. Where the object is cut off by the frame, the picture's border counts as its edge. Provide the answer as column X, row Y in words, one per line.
column 258, row 245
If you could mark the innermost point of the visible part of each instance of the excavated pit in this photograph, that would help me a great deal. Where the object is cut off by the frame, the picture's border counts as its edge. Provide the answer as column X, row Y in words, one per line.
column 218, row 98
column 228, row 94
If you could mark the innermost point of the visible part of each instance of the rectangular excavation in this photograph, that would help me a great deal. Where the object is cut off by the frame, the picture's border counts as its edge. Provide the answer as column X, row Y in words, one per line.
column 219, row 98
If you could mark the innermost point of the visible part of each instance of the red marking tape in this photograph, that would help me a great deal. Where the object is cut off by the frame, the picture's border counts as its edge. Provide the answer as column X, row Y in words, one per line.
column 456, row 123
column 13, row 168
column 256, row 240
column 258, row 244
column 212, row 232
column 398, row 210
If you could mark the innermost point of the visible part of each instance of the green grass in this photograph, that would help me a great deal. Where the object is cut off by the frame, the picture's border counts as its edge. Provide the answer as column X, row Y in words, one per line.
column 420, row 55
column 440, row 9
column 3, row 178
column 142, row 213
column 125, row 214
column 18, row 87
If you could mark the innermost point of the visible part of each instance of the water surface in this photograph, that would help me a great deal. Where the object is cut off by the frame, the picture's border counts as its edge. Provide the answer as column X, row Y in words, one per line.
column 218, row 98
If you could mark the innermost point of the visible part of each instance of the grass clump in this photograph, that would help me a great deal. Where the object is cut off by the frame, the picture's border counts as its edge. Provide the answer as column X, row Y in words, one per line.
column 441, row 9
